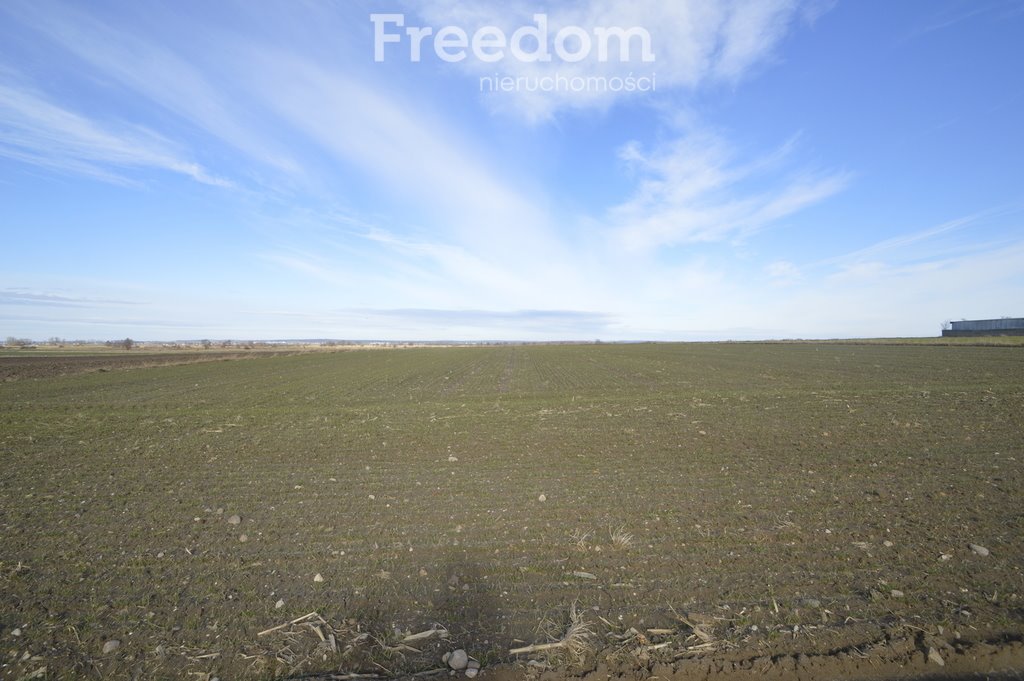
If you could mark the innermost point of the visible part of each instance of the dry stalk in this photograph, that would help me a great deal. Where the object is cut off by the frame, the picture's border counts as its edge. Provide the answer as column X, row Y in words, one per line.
column 288, row 624
column 573, row 647
column 580, row 538
column 620, row 538
column 436, row 630
column 704, row 636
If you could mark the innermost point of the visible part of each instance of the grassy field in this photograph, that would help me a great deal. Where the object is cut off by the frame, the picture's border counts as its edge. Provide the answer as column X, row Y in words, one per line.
column 774, row 498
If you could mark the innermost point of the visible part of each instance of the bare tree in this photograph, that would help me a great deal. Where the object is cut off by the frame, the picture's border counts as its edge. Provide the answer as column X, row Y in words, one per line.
column 127, row 343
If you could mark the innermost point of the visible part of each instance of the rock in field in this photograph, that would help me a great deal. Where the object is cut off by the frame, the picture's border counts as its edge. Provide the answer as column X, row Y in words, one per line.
column 978, row 549
column 110, row 646
column 457, row 659
column 234, row 520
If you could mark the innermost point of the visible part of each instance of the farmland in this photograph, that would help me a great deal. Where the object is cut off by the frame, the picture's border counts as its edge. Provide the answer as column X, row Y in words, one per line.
column 764, row 501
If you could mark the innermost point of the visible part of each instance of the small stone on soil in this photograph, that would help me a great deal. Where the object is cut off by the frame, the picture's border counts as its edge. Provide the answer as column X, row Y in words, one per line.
column 16, row 632
column 978, row 549
column 279, row 604
column 234, row 520
column 319, row 577
column 933, row 656
column 110, row 646
column 457, row 659
column 542, row 498
column 243, row 538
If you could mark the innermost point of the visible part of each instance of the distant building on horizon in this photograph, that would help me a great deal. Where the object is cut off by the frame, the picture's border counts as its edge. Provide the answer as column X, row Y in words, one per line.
column 1007, row 326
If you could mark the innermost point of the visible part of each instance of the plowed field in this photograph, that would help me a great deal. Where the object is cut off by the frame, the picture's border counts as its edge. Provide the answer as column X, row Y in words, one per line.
column 751, row 504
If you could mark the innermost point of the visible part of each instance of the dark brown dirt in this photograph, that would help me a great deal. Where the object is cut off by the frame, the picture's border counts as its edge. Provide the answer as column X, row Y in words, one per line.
column 29, row 366
column 885, row 659
column 811, row 507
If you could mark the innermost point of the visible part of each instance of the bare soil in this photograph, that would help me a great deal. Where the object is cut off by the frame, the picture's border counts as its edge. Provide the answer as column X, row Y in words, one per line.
column 712, row 511
column 34, row 366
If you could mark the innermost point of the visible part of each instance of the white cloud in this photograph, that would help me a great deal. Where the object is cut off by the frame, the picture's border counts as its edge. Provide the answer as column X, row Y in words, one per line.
column 690, row 191
column 783, row 271
column 879, row 298
column 900, row 243
column 748, row 33
column 693, row 42
column 42, row 133
column 492, row 240
column 139, row 62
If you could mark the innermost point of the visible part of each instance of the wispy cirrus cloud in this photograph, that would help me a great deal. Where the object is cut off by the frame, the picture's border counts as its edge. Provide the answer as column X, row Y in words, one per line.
column 950, row 16
column 38, row 131
column 457, row 323
column 909, row 244
column 478, row 224
column 692, row 190
column 138, row 61
column 692, row 42
column 21, row 296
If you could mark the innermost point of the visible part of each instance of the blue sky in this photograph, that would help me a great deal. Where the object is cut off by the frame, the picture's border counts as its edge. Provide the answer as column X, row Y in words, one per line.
column 248, row 170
